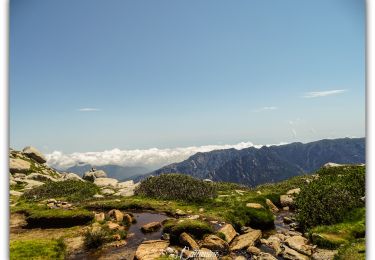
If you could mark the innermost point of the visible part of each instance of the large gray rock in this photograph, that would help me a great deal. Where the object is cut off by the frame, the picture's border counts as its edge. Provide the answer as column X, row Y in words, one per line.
column 126, row 184
column 34, row 154
column 106, row 182
column 71, row 176
column 151, row 249
column 94, row 174
column 245, row 240
column 17, row 165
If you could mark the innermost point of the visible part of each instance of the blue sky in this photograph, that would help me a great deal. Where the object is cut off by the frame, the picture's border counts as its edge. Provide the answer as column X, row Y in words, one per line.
column 90, row 75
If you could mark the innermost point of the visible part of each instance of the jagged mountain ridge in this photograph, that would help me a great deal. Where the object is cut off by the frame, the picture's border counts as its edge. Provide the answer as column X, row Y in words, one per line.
column 252, row 166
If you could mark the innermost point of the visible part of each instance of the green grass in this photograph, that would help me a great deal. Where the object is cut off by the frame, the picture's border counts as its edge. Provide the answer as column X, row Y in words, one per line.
column 71, row 190
column 356, row 250
column 37, row 249
column 196, row 228
column 41, row 216
column 18, row 187
column 332, row 236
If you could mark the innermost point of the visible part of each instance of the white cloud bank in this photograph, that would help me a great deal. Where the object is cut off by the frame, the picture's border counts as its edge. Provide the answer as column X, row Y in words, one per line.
column 152, row 158
column 316, row 94
column 88, row 109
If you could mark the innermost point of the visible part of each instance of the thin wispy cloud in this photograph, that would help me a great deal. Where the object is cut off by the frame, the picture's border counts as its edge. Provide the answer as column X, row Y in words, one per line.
column 88, row 109
column 265, row 109
column 316, row 94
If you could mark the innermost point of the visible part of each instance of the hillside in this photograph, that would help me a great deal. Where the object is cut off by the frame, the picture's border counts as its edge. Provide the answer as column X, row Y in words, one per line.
column 252, row 166
column 62, row 216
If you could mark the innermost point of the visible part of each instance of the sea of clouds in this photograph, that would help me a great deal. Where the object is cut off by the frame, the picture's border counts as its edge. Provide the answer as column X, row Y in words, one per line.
column 152, row 158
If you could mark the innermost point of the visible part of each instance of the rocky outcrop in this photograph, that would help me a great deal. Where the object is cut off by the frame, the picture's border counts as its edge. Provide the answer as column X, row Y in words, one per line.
column 245, row 240
column 17, row 165
column 105, row 182
column 34, row 154
column 70, row 176
column 151, row 249
column 94, row 174
column 228, row 231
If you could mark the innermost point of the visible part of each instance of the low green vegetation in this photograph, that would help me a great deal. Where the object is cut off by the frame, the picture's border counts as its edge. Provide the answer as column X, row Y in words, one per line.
column 37, row 249
column 255, row 218
column 71, row 190
column 196, row 228
column 356, row 250
column 177, row 187
column 326, row 200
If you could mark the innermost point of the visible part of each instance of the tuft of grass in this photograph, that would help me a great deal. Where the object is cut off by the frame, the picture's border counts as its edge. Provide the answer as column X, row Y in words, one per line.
column 196, row 228
column 255, row 218
column 177, row 187
column 97, row 238
column 332, row 236
column 71, row 190
column 37, row 249
column 355, row 250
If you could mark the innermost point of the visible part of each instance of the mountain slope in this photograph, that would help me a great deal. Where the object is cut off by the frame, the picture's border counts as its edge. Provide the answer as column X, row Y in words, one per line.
column 252, row 166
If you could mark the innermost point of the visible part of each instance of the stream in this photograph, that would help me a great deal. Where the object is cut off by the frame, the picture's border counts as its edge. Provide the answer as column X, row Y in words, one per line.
column 127, row 251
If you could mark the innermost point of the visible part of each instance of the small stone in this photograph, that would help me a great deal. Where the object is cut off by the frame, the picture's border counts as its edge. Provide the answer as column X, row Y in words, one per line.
column 116, row 215
column 151, row 227
column 253, row 250
column 99, row 217
column 201, row 210
column 254, row 205
column 293, row 191
column 180, row 212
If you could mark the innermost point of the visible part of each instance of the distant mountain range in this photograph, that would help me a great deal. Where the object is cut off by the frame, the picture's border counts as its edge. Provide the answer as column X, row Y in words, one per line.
column 113, row 171
column 253, row 166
